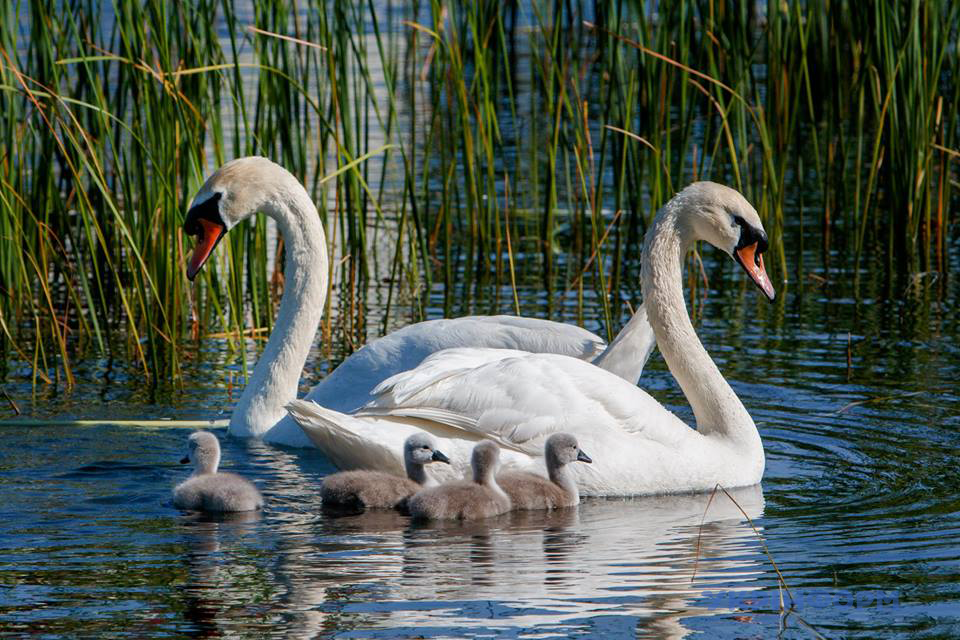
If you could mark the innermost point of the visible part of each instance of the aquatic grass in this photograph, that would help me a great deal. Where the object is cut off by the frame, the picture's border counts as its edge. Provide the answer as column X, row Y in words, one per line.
column 498, row 148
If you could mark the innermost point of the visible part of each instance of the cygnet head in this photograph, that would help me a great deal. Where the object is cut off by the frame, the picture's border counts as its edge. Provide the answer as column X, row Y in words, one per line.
column 234, row 192
column 562, row 449
column 485, row 461
column 420, row 449
column 723, row 217
column 203, row 450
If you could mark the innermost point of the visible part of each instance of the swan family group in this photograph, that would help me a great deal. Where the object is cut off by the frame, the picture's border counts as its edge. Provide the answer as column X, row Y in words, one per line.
column 494, row 391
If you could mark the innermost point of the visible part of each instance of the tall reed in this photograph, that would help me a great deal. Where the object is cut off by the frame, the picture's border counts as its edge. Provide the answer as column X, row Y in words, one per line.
column 493, row 148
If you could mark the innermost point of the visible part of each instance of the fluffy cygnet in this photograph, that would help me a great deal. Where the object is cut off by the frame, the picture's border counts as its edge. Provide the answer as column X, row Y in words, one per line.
column 463, row 500
column 208, row 490
column 380, row 490
column 531, row 491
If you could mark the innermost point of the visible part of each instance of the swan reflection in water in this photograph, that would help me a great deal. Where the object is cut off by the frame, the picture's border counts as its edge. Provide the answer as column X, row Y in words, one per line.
column 215, row 583
column 626, row 558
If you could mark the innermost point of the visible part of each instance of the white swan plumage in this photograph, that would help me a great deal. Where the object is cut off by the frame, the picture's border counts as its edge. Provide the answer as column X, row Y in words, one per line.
column 518, row 399
column 246, row 186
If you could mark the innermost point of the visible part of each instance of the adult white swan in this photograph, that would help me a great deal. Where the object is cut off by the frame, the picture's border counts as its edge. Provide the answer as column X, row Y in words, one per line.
column 245, row 186
column 519, row 399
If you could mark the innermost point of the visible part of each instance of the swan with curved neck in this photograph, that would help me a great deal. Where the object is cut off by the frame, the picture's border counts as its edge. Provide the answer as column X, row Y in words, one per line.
column 518, row 399
column 246, row 186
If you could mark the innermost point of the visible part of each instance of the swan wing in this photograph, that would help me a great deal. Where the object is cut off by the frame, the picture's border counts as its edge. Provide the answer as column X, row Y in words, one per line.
column 350, row 385
column 519, row 399
column 399, row 388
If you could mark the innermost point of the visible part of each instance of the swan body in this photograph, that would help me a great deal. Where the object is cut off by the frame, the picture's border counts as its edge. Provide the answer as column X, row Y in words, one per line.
column 519, row 399
column 245, row 186
column 530, row 491
column 208, row 489
column 463, row 500
column 379, row 490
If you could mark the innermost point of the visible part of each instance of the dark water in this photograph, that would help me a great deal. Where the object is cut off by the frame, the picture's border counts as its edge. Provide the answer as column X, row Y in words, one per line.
column 858, row 509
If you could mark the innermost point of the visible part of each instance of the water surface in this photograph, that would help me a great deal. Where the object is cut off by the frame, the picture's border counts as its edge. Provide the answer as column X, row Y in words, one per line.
column 858, row 509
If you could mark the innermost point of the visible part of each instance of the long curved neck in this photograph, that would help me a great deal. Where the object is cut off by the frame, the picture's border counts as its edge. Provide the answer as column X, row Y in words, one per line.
column 717, row 408
column 276, row 376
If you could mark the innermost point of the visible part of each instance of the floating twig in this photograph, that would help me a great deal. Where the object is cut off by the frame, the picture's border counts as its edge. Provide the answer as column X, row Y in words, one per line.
column 896, row 396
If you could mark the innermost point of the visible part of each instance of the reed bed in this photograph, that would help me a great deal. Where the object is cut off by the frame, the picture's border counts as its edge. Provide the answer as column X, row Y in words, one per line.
column 484, row 147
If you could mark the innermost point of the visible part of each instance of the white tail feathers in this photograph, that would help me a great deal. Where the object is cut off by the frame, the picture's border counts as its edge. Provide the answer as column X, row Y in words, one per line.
column 346, row 441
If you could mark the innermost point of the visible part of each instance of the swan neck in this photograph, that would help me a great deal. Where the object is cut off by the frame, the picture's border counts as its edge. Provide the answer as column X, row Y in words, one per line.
column 628, row 353
column 417, row 472
column 486, row 476
column 561, row 476
column 207, row 464
column 276, row 376
column 205, row 469
column 717, row 408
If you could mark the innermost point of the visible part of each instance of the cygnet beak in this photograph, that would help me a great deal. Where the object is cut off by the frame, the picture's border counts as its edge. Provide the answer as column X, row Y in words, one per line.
column 582, row 457
column 439, row 457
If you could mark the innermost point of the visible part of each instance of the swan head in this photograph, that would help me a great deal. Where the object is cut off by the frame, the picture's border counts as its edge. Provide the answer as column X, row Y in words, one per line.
column 203, row 450
column 723, row 217
column 485, row 460
column 421, row 449
column 562, row 449
column 233, row 193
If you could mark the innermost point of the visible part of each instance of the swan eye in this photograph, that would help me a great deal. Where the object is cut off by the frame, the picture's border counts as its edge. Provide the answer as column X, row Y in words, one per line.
column 750, row 235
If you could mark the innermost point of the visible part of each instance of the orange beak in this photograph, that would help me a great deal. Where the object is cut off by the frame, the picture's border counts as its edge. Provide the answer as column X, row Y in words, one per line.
column 752, row 263
column 209, row 234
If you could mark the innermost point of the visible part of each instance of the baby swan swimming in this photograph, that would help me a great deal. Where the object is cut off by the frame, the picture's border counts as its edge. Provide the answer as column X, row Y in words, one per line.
column 464, row 500
column 208, row 490
column 380, row 490
column 531, row 491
